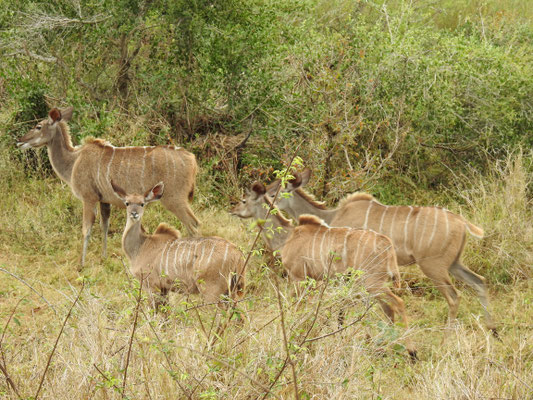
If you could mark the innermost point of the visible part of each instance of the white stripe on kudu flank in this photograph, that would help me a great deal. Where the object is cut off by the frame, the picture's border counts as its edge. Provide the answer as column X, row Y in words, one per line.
column 161, row 258
column 109, row 166
column 211, row 253
column 416, row 227
column 370, row 203
column 322, row 249
column 382, row 217
column 175, row 258
column 224, row 259
column 143, row 166
column 313, row 245
column 447, row 228
column 391, row 230
column 168, row 253
column 98, row 178
column 344, row 252
column 405, row 228
column 436, row 211
column 153, row 163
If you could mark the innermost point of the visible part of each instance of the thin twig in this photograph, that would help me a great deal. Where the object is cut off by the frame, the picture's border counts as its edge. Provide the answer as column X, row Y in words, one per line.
column 369, row 306
column 219, row 360
column 28, row 285
column 285, row 341
column 106, row 378
column 131, row 337
column 57, row 340
column 166, row 357
column 3, row 366
column 508, row 370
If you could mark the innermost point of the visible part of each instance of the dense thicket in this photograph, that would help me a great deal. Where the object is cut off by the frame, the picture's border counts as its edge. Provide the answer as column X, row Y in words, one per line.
column 389, row 95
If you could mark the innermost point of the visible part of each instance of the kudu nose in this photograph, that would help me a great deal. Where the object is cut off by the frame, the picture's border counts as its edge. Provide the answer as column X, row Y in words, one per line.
column 134, row 214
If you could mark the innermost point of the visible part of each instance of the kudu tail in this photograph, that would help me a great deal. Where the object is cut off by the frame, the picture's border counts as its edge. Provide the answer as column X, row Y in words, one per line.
column 473, row 229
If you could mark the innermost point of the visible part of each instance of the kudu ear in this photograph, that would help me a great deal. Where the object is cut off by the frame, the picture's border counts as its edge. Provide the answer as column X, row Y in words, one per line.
column 259, row 189
column 55, row 115
column 66, row 113
column 155, row 193
column 273, row 188
column 118, row 191
column 305, row 175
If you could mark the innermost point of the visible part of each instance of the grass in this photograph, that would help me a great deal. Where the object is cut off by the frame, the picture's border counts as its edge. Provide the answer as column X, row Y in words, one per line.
column 173, row 357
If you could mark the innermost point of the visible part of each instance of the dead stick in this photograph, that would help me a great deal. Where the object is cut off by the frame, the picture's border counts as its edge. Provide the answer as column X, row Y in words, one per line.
column 131, row 338
column 285, row 341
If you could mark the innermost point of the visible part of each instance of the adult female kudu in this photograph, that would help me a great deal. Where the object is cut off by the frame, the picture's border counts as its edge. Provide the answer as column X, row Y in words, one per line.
column 431, row 237
column 315, row 250
column 211, row 266
column 89, row 169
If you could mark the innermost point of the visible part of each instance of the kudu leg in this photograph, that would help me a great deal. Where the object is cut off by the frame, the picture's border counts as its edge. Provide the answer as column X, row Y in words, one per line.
column 182, row 210
column 88, row 221
column 105, row 212
column 476, row 282
column 438, row 273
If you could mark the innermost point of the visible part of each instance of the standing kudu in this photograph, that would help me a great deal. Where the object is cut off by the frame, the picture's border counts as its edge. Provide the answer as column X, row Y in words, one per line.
column 431, row 237
column 315, row 250
column 211, row 266
column 89, row 169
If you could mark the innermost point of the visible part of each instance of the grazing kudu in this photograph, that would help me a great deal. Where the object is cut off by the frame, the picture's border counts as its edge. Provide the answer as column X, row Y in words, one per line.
column 89, row 169
column 211, row 266
column 431, row 237
column 315, row 250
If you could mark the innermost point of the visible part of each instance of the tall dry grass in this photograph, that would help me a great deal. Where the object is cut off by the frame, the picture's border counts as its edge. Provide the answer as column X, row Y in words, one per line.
column 178, row 356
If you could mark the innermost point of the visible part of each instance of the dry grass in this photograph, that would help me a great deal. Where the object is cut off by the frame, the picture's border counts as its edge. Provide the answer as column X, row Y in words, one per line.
column 177, row 356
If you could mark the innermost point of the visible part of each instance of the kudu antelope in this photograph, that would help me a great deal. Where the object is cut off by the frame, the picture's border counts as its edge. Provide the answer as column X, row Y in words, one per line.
column 431, row 237
column 314, row 250
column 89, row 169
column 164, row 261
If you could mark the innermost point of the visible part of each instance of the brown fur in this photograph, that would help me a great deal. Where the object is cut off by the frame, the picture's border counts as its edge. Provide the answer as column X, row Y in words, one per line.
column 165, row 229
column 432, row 237
column 163, row 261
column 308, row 219
column 89, row 169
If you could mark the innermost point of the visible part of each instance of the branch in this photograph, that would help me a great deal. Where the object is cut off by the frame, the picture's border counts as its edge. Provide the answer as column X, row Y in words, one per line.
column 131, row 337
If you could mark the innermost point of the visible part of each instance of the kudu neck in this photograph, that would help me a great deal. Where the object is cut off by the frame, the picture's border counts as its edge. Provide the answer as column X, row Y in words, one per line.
column 301, row 205
column 62, row 155
column 133, row 238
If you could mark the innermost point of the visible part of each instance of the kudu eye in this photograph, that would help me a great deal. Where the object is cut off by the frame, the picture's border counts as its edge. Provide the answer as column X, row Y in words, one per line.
column 142, row 204
column 243, row 201
column 127, row 203
column 38, row 127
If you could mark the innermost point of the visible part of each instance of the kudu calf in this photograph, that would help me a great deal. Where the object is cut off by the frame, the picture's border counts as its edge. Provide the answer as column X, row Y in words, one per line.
column 89, row 169
column 431, row 237
column 211, row 266
column 314, row 250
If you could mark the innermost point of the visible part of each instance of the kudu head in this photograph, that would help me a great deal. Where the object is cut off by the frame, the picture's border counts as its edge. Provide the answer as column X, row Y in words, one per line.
column 284, row 199
column 135, row 203
column 251, row 204
column 45, row 131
